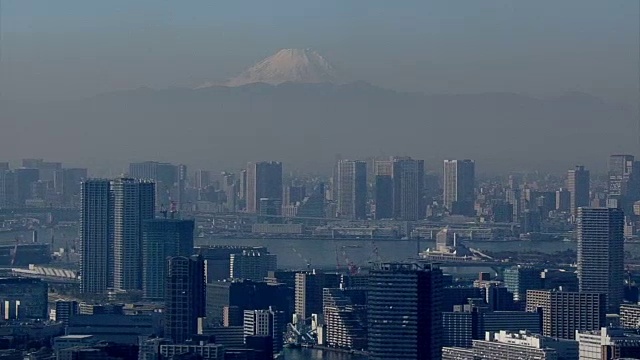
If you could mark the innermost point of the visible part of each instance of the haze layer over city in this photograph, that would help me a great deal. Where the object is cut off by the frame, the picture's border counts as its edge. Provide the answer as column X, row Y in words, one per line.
column 511, row 85
column 342, row 180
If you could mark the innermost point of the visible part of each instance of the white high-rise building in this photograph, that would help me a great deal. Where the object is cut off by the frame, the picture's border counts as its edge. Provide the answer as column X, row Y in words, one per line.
column 134, row 202
column 601, row 253
column 265, row 322
column 351, row 189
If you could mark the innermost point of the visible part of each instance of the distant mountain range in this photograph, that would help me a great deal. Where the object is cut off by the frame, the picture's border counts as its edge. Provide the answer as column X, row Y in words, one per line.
column 294, row 107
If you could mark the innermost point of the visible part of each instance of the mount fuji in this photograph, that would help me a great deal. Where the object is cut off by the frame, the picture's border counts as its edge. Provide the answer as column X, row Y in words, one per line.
column 289, row 65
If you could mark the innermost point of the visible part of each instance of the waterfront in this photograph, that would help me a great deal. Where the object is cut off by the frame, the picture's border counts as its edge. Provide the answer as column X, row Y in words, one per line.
column 297, row 253
column 305, row 354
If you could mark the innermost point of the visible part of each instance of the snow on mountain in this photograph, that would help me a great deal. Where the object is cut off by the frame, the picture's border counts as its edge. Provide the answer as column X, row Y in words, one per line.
column 289, row 65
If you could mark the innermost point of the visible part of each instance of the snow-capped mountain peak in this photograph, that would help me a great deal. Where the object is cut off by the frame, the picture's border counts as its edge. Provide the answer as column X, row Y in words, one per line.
column 289, row 65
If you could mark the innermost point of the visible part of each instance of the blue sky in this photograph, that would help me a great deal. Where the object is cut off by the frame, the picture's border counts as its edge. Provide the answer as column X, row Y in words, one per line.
column 73, row 48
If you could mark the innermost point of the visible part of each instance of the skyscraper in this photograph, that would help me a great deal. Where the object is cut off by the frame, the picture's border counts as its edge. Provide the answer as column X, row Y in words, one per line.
column 22, row 180
column 383, row 189
column 162, row 238
column 185, row 297
column 519, row 279
column 459, row 178
column 622, row 182
column 252, row 265
column 96, row 236
column 167, row 178
column 267, row 322
column 67, row 182
column 308, row 291
column 351, row 182
column 600, row 234
column 264, row 181
column 202, row 179
column 578, row 186
column 404, row 312
column 408, row 183
column 565, row 312
column 134, row 202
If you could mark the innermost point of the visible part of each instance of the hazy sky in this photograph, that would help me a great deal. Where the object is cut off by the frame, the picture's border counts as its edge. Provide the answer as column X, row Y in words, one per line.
column 74, row 48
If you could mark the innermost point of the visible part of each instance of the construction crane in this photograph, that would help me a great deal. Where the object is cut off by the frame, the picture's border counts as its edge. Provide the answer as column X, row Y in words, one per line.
column 351, row 266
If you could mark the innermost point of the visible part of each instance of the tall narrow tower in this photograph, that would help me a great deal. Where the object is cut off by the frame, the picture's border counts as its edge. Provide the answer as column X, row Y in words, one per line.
column 351, row 181
column 601, row 253
column 408, row 183
column 264, row 181
column 134, row 202
column 96, row 235
column 404, row 312
column 184, row 297
column 459, row 179
column 578, row 185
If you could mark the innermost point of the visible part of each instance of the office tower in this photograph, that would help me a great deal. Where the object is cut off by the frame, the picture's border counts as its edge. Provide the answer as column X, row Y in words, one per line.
column 252, row 265
column 218, row 259
column 404, row 312
column 6, row 188
column 351, row 189
column 383, row 197
column 294, row 194
column 162, row 238
column 608, row 343
column 68, row 182
column 345, row 322
column 22, row 180
column 459, row 178
column 519, row 279
column 578, row 186
column 313, row 205
column 308, row 291
column 408, row 185
column 460, row 295
column 230, row 189
column 241, row 295
column 459, row 327
column 565, row 312
column 134, row 202
column 202, row 179
column 264, row 181
column 563, row 200
column 600, row 233
column 46, row 169
column 65, row 310
column 166, row 177
column 268, row 322
column 383, row 174
column 507, row 320
column 23, row 298
column 96, row 236
column 242, row 191
column 623, row 182
column 185, row 297
column 269, row 209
